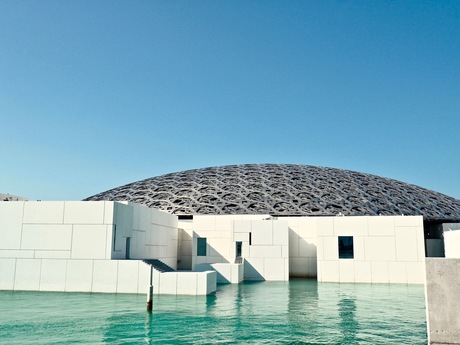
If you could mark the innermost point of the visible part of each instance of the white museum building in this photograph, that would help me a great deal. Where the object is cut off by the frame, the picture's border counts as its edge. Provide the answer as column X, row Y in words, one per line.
column 203, row 227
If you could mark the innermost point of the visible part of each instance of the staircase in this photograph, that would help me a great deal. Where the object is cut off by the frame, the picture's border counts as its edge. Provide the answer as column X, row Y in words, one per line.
column 159, row 265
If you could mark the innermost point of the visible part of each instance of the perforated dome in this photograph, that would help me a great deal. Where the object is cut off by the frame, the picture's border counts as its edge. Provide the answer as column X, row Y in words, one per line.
column 284, row 189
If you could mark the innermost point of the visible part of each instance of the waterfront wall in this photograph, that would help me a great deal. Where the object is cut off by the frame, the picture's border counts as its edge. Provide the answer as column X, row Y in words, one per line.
column 80, row 245
column 385, row 249
column 265, row 248
column 67, row 275
column 184, row 283
column 264, row 244
column 83, row 238
column 226, row 273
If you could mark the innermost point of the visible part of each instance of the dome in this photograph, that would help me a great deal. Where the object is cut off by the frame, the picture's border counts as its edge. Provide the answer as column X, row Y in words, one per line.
column 284, row 190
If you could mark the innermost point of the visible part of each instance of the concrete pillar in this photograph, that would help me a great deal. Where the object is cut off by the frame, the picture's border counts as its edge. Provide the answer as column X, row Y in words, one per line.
column 442, row 294
column 150, row 294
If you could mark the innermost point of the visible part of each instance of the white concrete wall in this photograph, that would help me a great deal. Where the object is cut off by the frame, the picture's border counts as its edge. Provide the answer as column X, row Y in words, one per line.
column 185, row 243
column 69, row 246
column 226, row 273
column 86, row 230
column 153, row 234
column 218, row 231
column 302, row 246
column 267, row 257
column 184, row 283
column 452, row 244
column 69, row 275
column 56, row 230
column 387, row 249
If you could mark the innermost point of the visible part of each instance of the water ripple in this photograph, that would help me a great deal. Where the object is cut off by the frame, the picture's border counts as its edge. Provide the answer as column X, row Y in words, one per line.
column 295, row 312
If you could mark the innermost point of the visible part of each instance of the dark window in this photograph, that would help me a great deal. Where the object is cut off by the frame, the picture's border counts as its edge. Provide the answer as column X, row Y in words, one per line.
column 114, row 236
column 128, row 247
column 345, row 247
column 185, row 216
column 239, row 246
column 250, row 238
column 201, row 246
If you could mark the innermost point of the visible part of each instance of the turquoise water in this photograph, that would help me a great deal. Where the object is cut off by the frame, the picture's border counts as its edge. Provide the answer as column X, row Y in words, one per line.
column 295, row 312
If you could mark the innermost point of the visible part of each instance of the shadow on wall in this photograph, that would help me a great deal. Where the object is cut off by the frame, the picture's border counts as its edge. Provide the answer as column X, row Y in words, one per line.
column 302, row 256
column 216, row 257
column 184, row 250
column 211, row 254
column 207, row 267
column 250, row 273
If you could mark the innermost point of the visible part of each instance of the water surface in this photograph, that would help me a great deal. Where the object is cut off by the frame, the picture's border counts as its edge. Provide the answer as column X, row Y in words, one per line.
column 295, row 312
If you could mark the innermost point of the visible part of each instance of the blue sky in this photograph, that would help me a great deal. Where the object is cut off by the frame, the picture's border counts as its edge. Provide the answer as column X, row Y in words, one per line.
column 97, row 94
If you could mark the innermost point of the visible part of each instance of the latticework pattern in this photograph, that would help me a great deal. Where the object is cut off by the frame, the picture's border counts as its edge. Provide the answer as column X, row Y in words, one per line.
column 284, row 189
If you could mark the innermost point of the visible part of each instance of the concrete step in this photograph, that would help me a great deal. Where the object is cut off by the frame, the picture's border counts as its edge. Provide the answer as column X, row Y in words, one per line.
column 159, row 265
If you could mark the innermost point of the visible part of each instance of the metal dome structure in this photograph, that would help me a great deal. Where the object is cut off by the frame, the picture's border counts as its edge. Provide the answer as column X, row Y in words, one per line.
column 284, row 190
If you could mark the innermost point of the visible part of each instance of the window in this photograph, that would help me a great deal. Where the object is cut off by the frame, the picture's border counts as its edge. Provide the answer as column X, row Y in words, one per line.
column 346, row 247
column 239, row 246
column 128, row 247
column 201, row 246
column 114, row 237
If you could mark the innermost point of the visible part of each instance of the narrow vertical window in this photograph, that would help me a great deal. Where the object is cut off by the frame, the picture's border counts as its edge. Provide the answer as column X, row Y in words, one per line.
column 346, row 247
column 201, row 246
column 239, row 247
column 128, row 247
column 114, row 236
column 250, row 238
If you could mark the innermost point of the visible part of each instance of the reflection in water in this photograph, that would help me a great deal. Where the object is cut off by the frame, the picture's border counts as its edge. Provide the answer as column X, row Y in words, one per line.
column 303, row 309
column 295, row 312
column 210, row 301
column 348, row 324
column 148, row 328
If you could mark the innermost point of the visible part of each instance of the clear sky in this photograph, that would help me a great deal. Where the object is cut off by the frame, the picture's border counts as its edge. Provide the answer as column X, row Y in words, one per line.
column 97, row 94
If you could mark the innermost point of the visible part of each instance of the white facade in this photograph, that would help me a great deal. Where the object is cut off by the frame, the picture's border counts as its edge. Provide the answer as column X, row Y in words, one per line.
column 98, row 247
column 184, row 283
column 82, row 246
column 226, row 273
column 303, row 246
column 386, row 249
column 264, row 246
column 152, row 234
